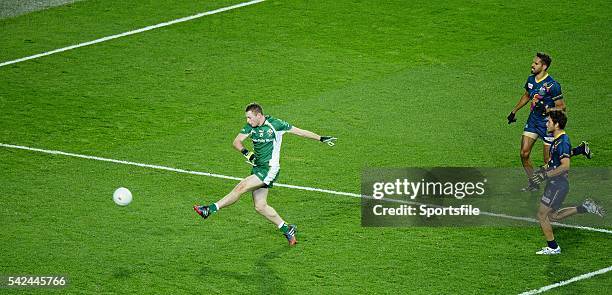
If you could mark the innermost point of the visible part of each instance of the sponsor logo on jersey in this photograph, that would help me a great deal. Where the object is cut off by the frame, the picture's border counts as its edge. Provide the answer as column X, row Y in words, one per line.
column 536, row 98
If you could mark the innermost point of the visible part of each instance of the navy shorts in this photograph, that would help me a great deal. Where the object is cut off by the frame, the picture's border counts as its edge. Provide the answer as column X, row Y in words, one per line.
column 536, row 128
column 555, row 192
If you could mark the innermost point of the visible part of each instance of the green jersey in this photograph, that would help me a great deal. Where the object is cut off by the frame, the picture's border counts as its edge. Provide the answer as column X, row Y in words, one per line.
column 267, row 140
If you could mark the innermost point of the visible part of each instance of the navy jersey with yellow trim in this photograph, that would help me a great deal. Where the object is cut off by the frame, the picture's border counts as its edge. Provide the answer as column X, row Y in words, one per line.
column 559, row 149
column 542, row 94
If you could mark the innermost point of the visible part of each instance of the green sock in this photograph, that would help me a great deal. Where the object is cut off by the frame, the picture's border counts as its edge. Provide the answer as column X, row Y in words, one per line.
column 284, row 228
column 213, row 208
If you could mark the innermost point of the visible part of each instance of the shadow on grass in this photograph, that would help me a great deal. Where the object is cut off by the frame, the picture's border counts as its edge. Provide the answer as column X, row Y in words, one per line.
column 121, row 273
column 263, row 273
column 269, row 281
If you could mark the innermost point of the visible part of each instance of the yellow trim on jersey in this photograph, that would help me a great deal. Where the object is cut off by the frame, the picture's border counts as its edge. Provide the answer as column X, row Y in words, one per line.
column 536, row 79
column 562, row 132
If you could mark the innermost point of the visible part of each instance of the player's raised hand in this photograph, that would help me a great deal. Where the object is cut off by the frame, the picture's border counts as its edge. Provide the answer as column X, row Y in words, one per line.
column 511, row 118
column 330, row 140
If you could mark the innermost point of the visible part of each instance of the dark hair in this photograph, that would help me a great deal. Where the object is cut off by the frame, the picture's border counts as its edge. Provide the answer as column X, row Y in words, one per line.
column 558, row 117
column 255, row 108
column 545, row 58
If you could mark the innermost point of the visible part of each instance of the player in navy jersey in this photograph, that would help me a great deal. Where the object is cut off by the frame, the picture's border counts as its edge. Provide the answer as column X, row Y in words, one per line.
column 545, row 95
column 557, row 185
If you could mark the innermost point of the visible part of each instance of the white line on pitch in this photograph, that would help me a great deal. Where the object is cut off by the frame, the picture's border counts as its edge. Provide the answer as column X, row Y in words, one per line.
column 574, row 279
column 500, row 215
column 164, row 24
column 305, row 188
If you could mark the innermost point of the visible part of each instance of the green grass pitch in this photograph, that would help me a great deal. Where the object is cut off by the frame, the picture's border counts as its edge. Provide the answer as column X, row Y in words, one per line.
column 400, row 83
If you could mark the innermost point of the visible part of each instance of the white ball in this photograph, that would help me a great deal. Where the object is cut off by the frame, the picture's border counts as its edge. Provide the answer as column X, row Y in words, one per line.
column 122, row 196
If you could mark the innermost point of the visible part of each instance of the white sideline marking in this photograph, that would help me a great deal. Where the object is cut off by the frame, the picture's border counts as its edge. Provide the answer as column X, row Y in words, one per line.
column 304, row 188
column 164, row 24
column 566, row 282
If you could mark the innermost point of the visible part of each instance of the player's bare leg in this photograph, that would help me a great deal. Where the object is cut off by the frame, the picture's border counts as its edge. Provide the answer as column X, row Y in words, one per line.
column 543, row 216
column 588, row 206
column 526, row 147
column 562, row 213
column 527, row 143
column 543, row 213
column 248, row 184
column 260, row 201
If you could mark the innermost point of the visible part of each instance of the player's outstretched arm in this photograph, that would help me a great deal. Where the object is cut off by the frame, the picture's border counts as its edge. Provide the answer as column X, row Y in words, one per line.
column 330, row 140
column 520, row 104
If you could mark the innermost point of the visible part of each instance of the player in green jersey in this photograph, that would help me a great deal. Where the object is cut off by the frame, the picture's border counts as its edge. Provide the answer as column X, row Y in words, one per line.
column 266, row 132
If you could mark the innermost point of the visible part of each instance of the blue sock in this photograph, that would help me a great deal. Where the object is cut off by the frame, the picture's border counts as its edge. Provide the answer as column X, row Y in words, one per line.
column 552, row 244
column 579, row 150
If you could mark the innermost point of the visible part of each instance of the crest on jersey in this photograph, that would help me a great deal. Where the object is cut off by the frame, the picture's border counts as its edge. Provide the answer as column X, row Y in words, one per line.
column 530, row 85
column 270, row 132
column 547, row 86
column 542, row 91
